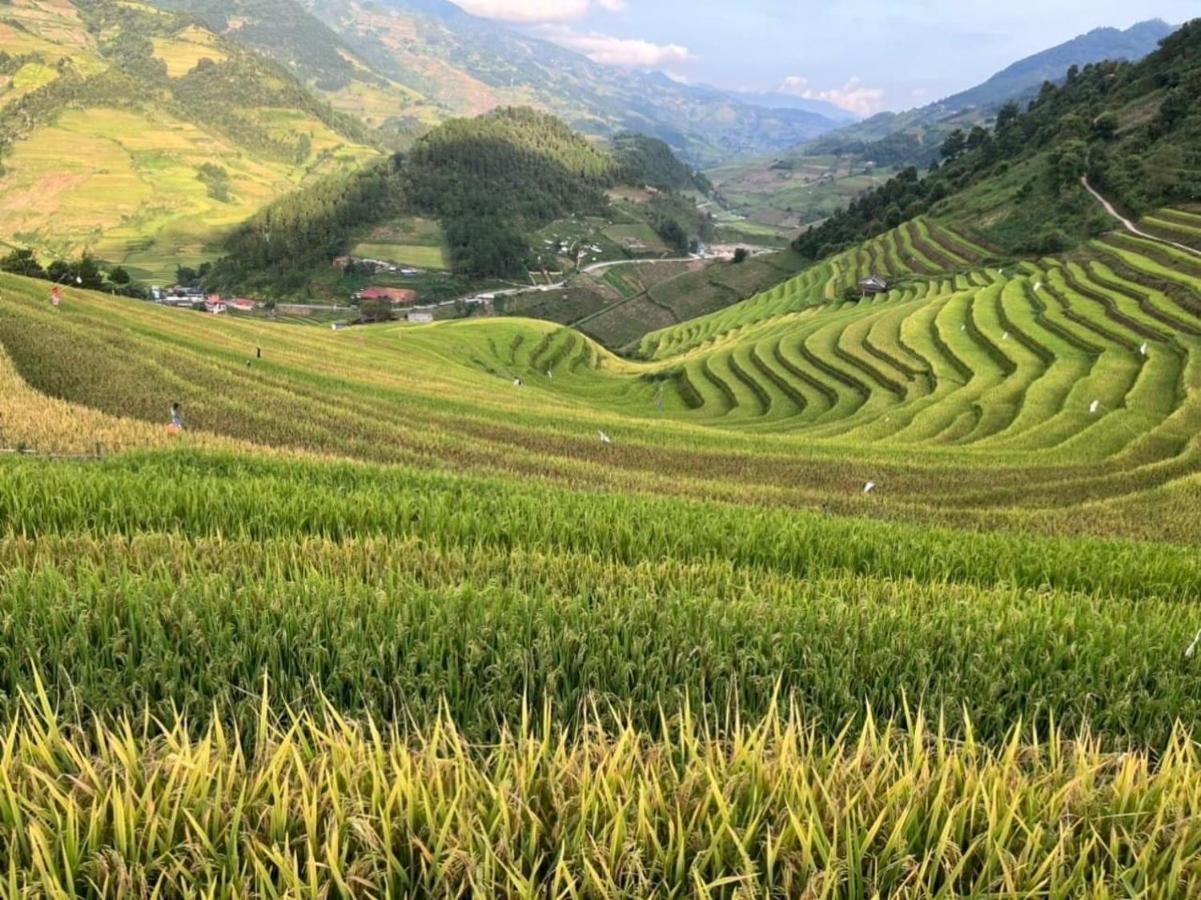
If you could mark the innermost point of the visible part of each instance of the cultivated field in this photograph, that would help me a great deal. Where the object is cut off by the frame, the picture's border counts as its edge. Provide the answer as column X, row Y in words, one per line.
column 385, row 622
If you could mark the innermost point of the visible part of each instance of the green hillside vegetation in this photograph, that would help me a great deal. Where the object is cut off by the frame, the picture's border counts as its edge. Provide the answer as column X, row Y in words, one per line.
column 1134, row 129
column 808, row 183
column 318, row 57
column 494, row 183
column 140, row 137
column 431, row 579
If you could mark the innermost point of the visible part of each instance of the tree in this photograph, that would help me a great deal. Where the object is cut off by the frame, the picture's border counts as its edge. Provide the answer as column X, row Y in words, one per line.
column 977, row 138
column 1105, row 126
column 23, row 262
column 1007, row 117
column 741, row 255
column 87, row 273
column 119, row 276
column 954, row 145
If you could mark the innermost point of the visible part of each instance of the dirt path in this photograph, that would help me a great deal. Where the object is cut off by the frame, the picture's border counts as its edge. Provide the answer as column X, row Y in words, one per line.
column 1130, row 226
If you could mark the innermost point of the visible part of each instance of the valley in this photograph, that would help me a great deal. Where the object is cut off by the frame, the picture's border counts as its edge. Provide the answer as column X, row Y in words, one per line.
column 495, row 510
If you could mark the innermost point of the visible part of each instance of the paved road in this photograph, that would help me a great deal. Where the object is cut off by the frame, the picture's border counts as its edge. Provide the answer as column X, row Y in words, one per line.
column 1130, row 226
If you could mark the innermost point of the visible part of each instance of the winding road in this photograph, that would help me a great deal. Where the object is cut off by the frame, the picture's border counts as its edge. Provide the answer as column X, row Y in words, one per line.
column 1130, row 226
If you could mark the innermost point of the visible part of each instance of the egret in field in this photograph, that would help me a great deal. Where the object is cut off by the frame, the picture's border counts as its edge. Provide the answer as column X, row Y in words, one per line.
column 1094, row 407
column 1038, row 285
column 516, row 382
column 869, row 487
column 605, row 439
column 1192, row 648
column 1143, row 349
column 550, row 374
column 1005, row 336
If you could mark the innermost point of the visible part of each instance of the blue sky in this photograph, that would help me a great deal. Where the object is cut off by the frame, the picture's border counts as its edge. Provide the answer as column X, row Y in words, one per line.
column 865, row 55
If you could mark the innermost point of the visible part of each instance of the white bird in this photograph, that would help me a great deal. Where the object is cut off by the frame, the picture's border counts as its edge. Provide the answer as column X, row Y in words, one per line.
column 550, row 374
column 1192, row 648
column 1094, row 407
column 963, row 328
column 1038, row 285
column 605, row 439
column 1143, row 349
column 516, row 382
column 1005, row 336
column 869, row 487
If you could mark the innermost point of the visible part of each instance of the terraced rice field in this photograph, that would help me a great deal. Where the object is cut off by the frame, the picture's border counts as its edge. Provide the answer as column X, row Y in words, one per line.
column 482, row 609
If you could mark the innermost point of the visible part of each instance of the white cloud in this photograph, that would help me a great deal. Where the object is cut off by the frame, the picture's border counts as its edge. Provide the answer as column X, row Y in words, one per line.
column 614, row 51
column 535, row 12
column 854, row 95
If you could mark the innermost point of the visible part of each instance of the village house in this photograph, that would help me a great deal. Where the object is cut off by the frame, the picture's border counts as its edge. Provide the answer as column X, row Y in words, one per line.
column 420, row 316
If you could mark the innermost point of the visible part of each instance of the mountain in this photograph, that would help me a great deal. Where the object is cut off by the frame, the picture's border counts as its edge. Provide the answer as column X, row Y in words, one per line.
column 446, row 63
column 141, row 136
column 777, row 100
column 807, row 183
column 1133, row 128
column 1016, row 82
column 288, row 32
column 490, row 184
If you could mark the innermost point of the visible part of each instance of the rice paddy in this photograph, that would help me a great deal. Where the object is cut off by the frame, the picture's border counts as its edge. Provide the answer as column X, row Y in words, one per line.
column 816, row 597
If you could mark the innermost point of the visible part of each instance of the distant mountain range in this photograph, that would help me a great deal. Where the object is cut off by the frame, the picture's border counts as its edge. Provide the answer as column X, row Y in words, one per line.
column 1019, row 81
column 405, row 65
column 777, row 100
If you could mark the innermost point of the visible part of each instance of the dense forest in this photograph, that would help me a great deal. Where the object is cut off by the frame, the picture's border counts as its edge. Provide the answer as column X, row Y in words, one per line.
column 1135, row 129
column 647, row 160
column 490, row 181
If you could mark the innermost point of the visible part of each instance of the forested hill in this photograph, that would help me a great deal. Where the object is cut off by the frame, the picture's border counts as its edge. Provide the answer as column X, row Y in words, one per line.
column 491, row 181
column 1134, row 128
column 647, row 160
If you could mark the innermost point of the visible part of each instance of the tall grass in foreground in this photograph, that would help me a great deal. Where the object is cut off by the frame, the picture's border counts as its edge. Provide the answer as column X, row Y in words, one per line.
column 324, row 807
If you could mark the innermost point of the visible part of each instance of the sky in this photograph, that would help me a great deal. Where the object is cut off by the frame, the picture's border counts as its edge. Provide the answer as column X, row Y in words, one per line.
column 863, row 55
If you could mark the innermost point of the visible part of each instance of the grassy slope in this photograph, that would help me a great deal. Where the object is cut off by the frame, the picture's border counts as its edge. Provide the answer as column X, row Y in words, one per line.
column 379, row 523
column 985, row 378
column 122, row 182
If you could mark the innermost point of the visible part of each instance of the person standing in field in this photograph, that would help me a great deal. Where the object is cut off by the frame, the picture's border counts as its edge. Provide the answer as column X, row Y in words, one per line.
column 56, row 296
column 176, row 425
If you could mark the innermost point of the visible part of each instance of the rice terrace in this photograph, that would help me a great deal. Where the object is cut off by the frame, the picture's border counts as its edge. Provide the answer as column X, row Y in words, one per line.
column 884, row 582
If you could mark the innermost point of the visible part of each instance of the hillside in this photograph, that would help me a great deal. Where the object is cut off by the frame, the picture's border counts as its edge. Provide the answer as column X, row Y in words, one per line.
column 449, row 64
column 1133, row 129
column 141, row 137
column 809, row 182
column 514, row 191
column 402, row 596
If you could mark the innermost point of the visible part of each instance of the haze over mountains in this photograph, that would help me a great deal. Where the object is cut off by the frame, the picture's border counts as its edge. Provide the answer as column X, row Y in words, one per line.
column 1018, row 81
column 810, row 181
column 407, row 64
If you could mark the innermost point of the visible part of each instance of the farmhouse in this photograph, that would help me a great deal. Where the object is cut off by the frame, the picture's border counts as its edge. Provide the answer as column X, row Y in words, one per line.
column 420, row 316
column 873, row 285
